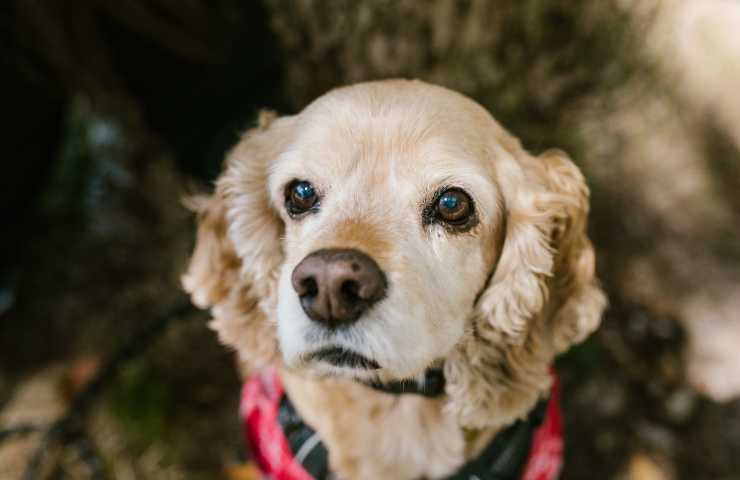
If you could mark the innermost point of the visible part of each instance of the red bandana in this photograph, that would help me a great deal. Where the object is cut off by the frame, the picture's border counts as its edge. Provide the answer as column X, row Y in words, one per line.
column 260, row 404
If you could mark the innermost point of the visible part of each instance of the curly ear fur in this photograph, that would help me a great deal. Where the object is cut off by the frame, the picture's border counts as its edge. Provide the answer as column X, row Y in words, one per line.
column 542, row 298
column 239, row 283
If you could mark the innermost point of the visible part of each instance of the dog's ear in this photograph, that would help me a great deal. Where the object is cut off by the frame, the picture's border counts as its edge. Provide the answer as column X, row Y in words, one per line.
column 214, row 267
column 238, row 250
column 546, row 256
column 542, row 297
column 577, row 299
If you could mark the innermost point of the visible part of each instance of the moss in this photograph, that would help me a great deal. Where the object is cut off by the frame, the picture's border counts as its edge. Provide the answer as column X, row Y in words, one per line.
column 142, row 402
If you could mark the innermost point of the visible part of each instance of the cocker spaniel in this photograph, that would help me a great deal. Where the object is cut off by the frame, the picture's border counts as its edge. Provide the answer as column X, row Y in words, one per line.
column 390, row 229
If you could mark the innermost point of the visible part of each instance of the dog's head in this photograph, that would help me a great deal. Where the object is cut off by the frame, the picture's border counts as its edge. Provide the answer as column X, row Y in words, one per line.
column 392, row 226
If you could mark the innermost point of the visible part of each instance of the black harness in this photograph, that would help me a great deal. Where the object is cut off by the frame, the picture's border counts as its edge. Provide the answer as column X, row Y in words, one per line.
column 503, row 459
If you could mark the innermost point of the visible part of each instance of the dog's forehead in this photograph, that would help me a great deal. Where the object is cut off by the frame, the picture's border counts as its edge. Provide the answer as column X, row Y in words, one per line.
column 394, row 126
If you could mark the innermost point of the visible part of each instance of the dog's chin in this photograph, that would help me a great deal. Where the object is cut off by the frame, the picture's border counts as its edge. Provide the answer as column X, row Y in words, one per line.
column 323, row 371
column 337, row 362
column 345, row 364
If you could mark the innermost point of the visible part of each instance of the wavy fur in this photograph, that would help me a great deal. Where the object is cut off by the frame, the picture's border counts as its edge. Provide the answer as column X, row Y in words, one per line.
column 541, row 298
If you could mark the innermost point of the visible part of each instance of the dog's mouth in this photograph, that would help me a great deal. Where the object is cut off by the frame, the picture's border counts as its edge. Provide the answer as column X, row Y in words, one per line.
column 341, row 357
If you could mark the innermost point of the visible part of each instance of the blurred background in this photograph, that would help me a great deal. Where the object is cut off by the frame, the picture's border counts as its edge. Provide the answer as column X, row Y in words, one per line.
column 113, row 111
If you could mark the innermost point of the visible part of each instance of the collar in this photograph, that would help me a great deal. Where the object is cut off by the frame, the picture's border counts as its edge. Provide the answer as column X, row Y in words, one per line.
column 286, row 448
column 431, row 385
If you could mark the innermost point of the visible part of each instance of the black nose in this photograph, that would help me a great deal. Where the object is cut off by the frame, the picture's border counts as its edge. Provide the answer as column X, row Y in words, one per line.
column 337, row 285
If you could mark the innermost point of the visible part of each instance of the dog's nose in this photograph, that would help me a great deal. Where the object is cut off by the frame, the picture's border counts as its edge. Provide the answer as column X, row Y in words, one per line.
column 337, row 285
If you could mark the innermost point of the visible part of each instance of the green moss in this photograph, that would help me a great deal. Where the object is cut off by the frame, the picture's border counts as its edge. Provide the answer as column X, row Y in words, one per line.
column 143, row 403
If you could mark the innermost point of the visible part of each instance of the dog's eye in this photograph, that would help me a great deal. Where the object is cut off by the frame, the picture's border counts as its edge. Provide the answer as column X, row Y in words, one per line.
column 454, row 207
column 300, row 197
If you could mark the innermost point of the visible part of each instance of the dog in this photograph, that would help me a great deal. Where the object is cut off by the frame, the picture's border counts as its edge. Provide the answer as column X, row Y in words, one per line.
column 405, row 271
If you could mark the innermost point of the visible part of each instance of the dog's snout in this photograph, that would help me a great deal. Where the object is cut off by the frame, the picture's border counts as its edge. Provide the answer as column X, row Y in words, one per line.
column 336, row 286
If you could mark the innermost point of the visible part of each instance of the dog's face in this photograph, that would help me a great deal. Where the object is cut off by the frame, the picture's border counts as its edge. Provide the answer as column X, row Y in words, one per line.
column 395, row 225
column 392, row 215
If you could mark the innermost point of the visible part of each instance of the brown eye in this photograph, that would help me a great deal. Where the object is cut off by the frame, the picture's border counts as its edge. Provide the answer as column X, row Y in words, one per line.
column 454, row 207
column 300, row 197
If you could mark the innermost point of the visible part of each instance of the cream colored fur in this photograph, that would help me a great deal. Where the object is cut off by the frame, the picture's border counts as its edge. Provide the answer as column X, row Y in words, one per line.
column 493, row 305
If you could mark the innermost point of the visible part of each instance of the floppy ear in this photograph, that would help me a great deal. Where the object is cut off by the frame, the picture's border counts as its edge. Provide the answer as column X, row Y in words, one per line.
column 546, row 256
column 542, row 297
column 576, row 297
column 234, row 266
column 214, row 267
